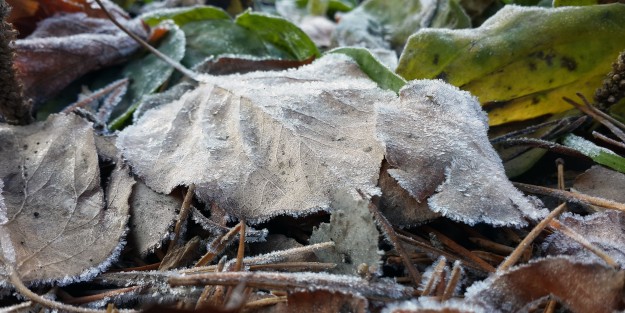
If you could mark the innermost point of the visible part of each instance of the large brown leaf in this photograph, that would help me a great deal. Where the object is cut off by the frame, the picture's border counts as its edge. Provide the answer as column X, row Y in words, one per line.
column 55, row 213
column 263, row 144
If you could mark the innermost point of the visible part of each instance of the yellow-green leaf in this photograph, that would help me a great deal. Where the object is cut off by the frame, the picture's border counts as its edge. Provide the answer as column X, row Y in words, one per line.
column 522, row 61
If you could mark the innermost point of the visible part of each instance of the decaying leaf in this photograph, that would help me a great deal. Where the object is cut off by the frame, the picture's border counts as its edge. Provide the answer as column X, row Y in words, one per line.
column 92, row 43
column 605, row 230
column 264, row 144
column 55, row 205
column 601, row 182
column 522, row 60
column 436, row 148
column 354, row 233
column 580, row 286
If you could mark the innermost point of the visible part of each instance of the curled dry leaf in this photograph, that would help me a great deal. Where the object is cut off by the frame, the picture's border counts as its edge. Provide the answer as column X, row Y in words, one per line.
column 606, row 230
column 92, row 43
column 54, row 203
column 263, row 144
column 354, row 233
column 436, row 147
column 581, row 287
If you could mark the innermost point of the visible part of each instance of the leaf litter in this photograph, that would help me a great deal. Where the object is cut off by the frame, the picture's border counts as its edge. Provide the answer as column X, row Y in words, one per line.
column 259, row 128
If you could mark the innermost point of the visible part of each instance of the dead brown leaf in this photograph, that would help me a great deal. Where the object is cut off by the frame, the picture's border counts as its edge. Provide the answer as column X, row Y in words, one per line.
column 55, row 213
column 580, row 286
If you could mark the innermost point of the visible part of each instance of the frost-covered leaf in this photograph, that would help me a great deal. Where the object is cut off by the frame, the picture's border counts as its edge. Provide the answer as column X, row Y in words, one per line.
column 211, row 33
column 55, row 205
column 437, row 149
column 91, row 43
column 353, row 232
column 264, row 144
column 522, row 60
column 387, row 24
column 605, row 230
column 579, row 286
column 151, row 216
column 598, row 154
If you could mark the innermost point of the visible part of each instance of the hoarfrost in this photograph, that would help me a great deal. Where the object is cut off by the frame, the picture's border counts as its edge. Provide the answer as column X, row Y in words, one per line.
column 437, row 147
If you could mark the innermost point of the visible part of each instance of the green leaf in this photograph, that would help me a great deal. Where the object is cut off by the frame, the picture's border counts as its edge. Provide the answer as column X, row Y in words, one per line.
column 389, row 23
column 219, row 37
column 378, row 72
column 149, row 73
column 182, row 16
column 280, row 33
column 600, row 155
column 562, row 3
column 210, row 32
column 523, row 60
